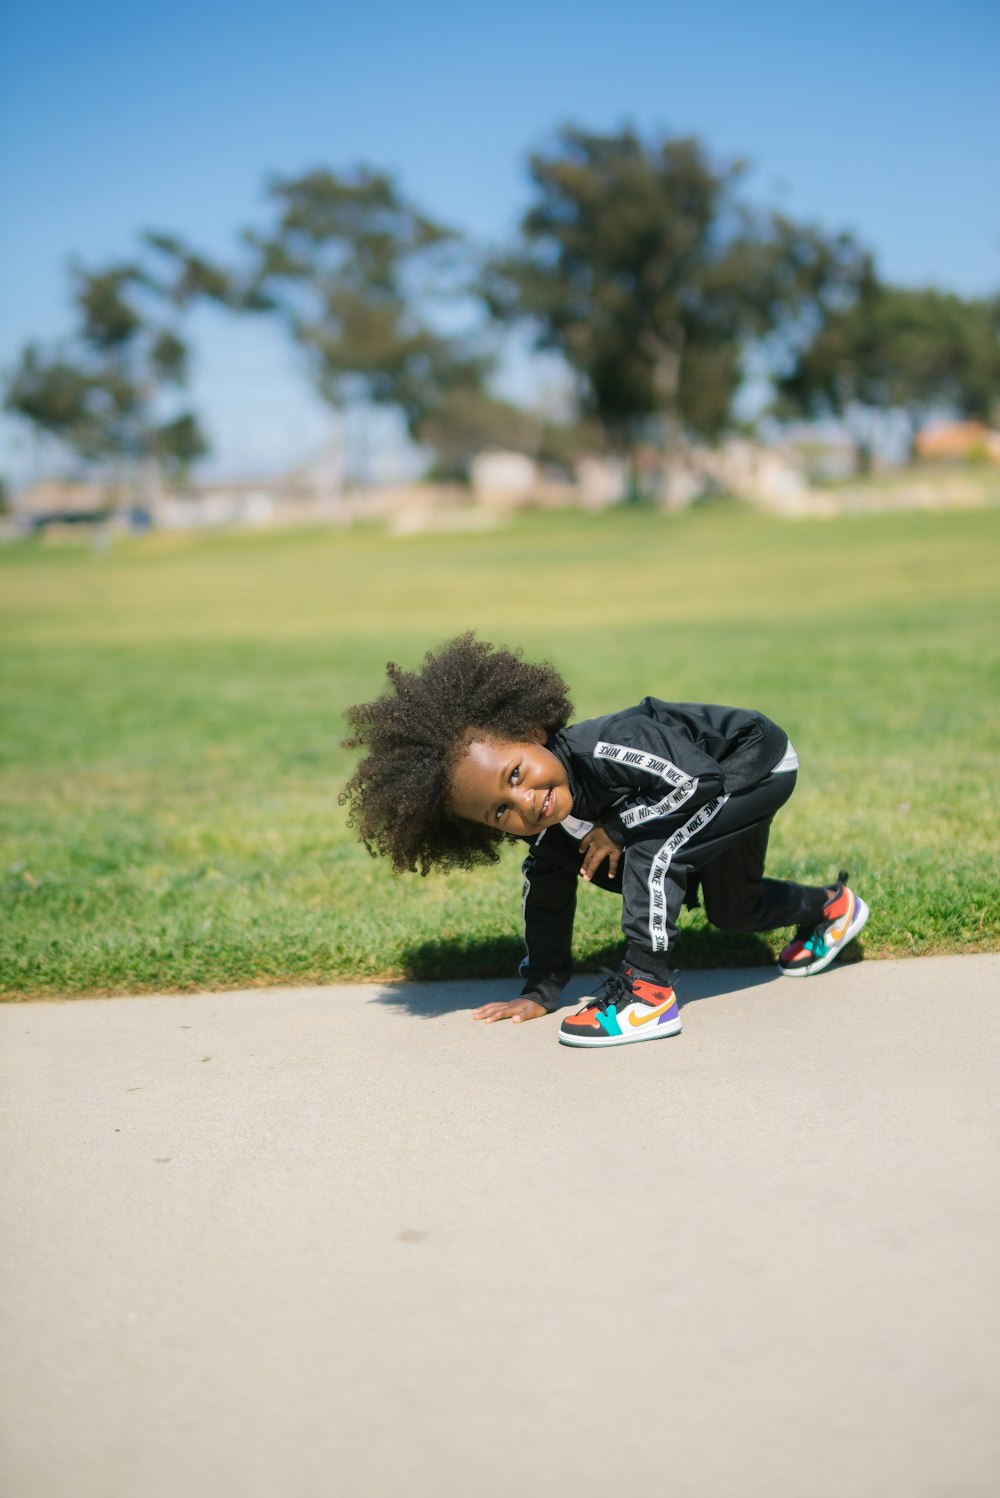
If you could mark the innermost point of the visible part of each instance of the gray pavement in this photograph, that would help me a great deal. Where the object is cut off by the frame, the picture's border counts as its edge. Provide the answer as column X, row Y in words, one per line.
column 344, row 1241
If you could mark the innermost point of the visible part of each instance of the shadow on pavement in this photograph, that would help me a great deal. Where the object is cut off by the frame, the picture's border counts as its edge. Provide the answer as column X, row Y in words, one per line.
column 447, row 975
column 693, row 987
column 432, row 1000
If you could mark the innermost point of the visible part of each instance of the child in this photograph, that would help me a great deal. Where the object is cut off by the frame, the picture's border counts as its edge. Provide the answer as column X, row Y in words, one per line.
column 649, row 803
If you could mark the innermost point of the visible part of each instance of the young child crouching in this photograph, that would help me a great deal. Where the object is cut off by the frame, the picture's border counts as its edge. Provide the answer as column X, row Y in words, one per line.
column 650, row 803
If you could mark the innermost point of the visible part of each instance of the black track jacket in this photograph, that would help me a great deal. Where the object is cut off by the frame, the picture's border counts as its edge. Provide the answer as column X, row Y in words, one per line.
column 653, row 776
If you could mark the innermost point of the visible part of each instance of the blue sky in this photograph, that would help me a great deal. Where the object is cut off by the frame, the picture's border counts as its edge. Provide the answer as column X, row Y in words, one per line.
column 881, row 118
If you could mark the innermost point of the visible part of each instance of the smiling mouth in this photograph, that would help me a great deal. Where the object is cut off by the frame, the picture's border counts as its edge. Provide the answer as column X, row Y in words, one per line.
column 546, row 806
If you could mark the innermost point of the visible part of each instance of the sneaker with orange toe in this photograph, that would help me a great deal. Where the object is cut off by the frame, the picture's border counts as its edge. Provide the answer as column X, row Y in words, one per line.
column 813, row 948
column 627, row 1007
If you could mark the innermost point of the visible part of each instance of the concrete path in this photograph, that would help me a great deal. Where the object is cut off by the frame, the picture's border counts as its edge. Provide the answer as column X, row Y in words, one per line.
column 343, row 1241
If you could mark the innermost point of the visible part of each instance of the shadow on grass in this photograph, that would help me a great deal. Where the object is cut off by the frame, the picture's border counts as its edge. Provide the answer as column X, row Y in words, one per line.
column 462, row 957
column 443, row 977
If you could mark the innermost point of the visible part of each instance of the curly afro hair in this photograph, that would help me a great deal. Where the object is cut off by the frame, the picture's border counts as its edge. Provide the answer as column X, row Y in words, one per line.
column 417, row 731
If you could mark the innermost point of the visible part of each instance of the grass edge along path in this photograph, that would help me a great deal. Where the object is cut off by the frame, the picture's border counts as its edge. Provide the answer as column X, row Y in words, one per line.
column 169, row 764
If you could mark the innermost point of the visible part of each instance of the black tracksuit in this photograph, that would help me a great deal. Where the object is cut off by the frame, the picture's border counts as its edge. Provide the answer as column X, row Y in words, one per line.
column 688, row 791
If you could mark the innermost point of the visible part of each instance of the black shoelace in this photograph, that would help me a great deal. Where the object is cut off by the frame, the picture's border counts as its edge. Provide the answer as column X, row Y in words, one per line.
column 615, row 990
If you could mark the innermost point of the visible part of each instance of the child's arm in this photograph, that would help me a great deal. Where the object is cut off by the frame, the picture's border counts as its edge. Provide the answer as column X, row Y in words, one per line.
column 549, row 904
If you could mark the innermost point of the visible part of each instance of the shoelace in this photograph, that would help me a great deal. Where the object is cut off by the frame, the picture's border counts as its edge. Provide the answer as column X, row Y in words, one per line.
column 617, row 989
column 613, row 991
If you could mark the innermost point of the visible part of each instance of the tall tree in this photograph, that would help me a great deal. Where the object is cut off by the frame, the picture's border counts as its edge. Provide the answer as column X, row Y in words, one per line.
column 351, row 266
column 469, row 421
column 109, row 392
column 917, row 351
column 641, row 265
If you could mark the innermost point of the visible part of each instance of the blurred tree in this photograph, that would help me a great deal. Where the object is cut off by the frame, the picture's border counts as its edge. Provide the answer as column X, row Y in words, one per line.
column 916, row 351
column 103, row 392
column 468, row 421
column 350, row 265
column 183, row 276
column 641, row 266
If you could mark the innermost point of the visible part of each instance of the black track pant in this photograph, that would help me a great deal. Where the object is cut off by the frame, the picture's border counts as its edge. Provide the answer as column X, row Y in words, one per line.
column 726, row 857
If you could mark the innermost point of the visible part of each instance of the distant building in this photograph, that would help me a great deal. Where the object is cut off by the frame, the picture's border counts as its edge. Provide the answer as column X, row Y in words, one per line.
column 218, row 505
column 62, row 502
column 601, row 481
column 503, row 478
column 58, row 504
column 958, row 439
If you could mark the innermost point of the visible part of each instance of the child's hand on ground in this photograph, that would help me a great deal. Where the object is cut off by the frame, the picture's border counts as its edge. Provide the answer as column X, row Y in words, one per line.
column 515, row 1009
column 596, row 847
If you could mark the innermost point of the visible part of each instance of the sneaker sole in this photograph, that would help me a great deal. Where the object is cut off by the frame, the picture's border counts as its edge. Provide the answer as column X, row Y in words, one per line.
column 660, row 1033
column 860, row 917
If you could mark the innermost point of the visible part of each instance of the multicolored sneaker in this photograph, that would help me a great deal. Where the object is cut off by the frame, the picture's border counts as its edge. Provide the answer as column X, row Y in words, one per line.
column 624, row 1009
column 814, row 947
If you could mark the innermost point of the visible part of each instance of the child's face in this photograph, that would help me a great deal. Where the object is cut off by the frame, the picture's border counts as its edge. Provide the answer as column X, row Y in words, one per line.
column 516, row 787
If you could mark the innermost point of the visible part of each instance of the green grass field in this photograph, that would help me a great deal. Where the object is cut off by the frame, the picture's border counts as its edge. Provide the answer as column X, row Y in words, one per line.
column 169, row 763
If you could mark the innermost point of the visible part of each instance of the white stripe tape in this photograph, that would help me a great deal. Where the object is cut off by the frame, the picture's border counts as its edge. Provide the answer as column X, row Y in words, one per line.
column 657, row 880
column 636, row 815
column 684, row 785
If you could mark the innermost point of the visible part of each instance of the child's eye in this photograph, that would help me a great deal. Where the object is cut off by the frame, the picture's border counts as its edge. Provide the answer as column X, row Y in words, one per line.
column 515, row 775
column 501, row 812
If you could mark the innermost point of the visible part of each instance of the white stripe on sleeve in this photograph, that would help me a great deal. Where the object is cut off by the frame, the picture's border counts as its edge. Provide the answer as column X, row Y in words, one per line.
column 683, row 786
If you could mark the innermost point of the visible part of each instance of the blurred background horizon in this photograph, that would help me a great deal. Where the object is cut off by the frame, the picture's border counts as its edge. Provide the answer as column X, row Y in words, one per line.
column 881, row 121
